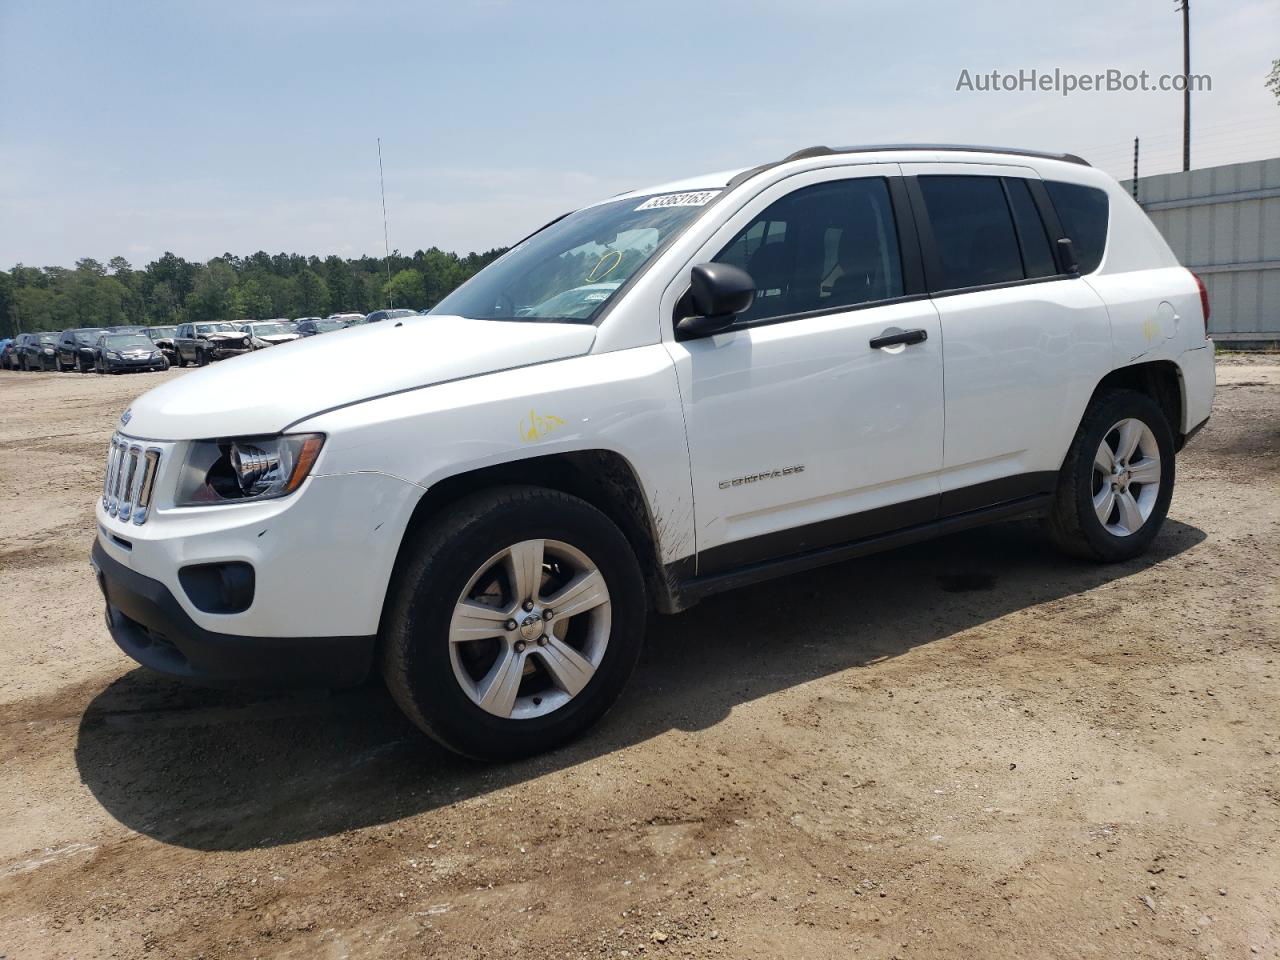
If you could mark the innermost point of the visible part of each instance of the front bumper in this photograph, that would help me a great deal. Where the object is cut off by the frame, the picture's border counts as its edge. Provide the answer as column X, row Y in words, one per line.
column 112, row 366
column 222, row 353
column 150, row 626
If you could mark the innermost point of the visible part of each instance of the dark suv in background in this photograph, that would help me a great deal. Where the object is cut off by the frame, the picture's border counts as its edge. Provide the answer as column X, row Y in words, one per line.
column 75, row 349
column 199, row 343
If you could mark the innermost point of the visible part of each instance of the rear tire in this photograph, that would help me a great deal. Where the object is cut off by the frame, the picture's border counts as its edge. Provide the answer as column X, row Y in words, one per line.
column 447, row 638
column 1115, row 485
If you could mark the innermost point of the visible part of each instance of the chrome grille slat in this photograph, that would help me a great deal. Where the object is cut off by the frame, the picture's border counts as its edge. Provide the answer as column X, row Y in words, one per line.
column 130, row 479
column 130, row 473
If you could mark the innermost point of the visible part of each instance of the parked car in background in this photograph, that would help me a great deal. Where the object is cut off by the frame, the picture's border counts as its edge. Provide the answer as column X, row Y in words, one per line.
column 269, row 333
column 274, row 333
column 297, row 320
column 348, row 319
column 162, row 337
column 199, row 343
column 38, row 351
column 9, row 356
column 126, row 328
column 4, row 347
column 128, row 352
column 76, row 348
column 378, row 315
column 310, row 328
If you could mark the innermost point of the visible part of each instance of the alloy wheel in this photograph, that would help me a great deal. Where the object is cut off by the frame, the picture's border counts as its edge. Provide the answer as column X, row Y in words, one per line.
column 1126, row 477
column 530, row 629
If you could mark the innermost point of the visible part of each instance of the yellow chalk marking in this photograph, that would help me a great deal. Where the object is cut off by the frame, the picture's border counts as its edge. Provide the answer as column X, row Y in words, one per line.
column 537, row 425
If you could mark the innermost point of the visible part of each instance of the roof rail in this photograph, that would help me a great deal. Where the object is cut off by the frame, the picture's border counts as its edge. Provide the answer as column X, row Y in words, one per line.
column 821, row 151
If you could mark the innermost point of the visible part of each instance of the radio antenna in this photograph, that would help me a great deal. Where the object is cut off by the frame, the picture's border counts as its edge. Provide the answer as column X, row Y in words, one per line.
column 386, row 243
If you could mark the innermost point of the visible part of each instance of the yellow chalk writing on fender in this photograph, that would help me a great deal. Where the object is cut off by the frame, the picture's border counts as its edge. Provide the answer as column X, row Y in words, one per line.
column 536, row 426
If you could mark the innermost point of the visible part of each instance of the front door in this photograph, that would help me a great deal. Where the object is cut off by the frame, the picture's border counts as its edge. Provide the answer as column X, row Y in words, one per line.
column 806, row 428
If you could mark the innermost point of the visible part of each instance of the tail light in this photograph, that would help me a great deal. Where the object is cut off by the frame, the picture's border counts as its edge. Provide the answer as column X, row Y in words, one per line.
column 1204, row 302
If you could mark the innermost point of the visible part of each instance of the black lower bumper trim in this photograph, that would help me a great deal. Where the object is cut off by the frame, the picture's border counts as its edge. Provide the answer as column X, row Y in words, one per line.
column 148, row 624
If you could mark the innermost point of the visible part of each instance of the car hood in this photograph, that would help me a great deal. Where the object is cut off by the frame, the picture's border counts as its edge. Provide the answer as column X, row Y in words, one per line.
column 267, row 390
column 277, row 337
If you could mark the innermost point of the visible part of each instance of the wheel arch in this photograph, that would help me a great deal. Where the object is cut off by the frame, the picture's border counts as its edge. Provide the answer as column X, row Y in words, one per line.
column 603, row 478
column 1161, row 380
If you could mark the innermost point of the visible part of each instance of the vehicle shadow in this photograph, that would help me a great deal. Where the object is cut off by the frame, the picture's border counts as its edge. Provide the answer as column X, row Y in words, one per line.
column 213, row 770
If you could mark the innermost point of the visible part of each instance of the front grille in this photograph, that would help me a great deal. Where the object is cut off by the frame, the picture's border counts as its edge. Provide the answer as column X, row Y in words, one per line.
column 131, row 477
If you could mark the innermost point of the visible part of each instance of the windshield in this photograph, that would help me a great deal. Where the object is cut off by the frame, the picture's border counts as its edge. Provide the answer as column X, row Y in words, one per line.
column 215, row 328
column 48, row 338
column 568, row 271
column 123, row 341
column 270, row 329
column 87, row 336
column 324, row 326
column 160, row 333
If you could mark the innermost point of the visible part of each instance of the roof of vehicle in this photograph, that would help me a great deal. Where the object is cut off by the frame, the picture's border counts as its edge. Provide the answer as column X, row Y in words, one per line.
column 731, row 178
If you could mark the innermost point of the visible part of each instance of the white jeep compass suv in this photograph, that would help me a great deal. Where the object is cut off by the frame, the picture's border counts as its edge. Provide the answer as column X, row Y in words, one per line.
column 673, row 392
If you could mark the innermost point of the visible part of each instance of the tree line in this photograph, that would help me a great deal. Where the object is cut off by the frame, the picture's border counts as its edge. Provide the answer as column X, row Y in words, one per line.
column 172, row 290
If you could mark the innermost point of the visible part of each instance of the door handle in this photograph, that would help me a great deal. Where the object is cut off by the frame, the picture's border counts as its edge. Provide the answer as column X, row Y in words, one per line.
column 893, row 339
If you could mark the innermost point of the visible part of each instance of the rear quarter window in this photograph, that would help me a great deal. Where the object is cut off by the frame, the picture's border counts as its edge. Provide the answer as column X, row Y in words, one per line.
column 1083, row 212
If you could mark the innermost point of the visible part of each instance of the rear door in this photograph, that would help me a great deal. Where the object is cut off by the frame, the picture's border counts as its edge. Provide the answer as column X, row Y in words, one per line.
column 802, row 433
column 1023, row 341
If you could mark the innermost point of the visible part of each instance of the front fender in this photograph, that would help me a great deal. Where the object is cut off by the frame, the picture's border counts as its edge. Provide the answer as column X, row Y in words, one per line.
column 626, row 402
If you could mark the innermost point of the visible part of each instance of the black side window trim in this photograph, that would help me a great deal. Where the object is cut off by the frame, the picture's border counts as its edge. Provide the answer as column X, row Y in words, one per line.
column 929, row 249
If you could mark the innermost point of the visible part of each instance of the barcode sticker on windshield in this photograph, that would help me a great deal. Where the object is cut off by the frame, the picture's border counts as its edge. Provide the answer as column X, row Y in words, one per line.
column 696, row 199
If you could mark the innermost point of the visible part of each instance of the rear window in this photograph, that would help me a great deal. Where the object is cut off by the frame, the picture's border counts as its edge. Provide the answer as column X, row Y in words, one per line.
column 1083, row 212
column 973, row 231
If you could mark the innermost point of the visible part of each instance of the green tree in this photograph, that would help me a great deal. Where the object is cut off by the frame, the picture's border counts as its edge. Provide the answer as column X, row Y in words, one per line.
column 1273, row 80
column 313, row 294
column 211, row 296
column 406, row 289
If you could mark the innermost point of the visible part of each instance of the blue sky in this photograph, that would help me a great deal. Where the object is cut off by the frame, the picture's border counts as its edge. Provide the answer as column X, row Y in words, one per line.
column 133, row 128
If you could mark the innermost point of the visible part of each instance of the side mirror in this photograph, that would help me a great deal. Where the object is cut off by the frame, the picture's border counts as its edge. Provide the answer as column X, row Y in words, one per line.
column 1067, row 256
column 718, row 292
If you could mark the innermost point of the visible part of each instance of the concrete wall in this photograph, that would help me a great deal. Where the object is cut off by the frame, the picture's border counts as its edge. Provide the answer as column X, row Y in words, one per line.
column 1224, row 223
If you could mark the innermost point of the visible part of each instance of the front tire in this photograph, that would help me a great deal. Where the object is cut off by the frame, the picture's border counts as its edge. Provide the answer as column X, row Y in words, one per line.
column 514, row 622
column 1117, row 480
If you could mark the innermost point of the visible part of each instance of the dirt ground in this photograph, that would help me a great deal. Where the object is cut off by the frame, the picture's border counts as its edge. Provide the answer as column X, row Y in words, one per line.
column 971, row 748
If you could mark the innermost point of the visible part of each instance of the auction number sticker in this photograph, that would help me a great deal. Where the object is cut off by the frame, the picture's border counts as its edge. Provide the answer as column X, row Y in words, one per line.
column 697, row 198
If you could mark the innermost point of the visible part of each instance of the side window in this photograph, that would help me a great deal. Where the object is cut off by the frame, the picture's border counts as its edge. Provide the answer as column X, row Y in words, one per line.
column 822, row 247
column 1083, row 212
column 1037, row 255
column 973, row 231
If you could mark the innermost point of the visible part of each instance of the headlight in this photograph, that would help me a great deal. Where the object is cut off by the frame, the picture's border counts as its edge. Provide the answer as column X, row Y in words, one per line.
column 246, row 468
column 48, row 349
column 112, row 355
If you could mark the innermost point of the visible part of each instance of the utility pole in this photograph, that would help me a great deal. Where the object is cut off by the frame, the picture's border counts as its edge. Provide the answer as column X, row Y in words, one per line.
column 1185, row 7
column 386, row 243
